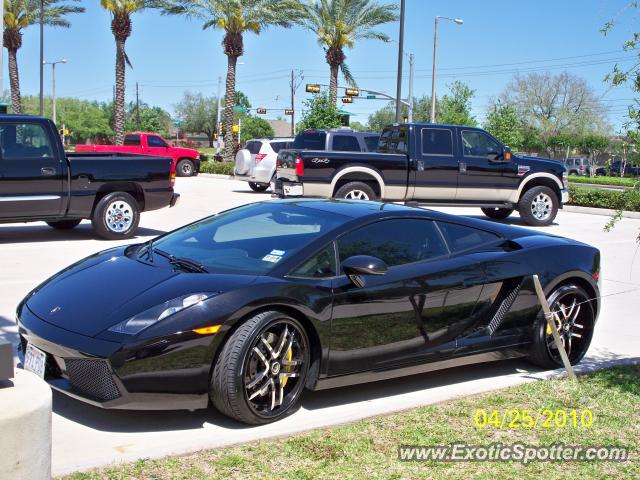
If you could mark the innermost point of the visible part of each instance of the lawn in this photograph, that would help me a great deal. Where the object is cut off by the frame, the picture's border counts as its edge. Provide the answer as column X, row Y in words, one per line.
column 614, row 181
column 368, row 448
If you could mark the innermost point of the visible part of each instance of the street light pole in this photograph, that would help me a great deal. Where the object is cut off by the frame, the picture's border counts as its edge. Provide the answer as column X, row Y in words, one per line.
column 457, row 21
column 410, row 116
column 400, row 52
column 41, row 58
column 53, row 83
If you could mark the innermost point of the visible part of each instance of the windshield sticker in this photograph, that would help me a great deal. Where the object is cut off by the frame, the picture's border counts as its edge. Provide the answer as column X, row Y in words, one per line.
column 280, row 253
column 272, row 258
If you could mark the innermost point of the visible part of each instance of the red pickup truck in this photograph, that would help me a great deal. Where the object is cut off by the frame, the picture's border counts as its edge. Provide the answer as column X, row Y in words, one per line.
column 186, row 161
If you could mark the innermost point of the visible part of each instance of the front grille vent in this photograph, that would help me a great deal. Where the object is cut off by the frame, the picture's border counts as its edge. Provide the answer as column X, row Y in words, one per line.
column 92, row 378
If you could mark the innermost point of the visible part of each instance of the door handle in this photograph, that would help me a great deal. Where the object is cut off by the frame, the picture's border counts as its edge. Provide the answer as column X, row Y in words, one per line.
column 463, row 167
column 48, row 171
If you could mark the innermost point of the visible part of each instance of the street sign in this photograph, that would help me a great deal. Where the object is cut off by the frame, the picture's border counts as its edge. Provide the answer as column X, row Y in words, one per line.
column 288, row 111
column 177, row 123
column 261, row 111
column 352, row 92
column 347, row 100
column 312, row 88
column 239, row 108
column 371, row 97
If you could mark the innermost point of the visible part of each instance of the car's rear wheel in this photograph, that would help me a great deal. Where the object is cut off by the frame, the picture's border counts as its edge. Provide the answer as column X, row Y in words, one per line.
column 261, row 371
column 356, row 191
column 497, row 213
column 538, row 206
column 116, row 216
column 185, row 168
column 258, row 187
column 65, row 224
column 574, row 319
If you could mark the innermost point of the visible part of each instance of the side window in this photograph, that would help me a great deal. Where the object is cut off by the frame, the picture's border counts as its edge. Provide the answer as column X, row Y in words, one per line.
column 371, row 142
column 24, row 140
column 132, row 140
column 396, row 242
column 460, row 237
column 320, row 265
column 478, row 144
column 394, row 140
column 345, row 143
column 437, row 141
column 154, row 141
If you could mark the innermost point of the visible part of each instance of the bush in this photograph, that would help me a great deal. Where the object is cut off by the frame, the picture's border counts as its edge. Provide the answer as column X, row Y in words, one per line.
column 628, row 200
column 220, row 168
column 616, row 181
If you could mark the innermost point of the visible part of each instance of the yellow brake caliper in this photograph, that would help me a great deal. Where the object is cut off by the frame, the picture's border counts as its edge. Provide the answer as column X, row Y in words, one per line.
column 288, row 367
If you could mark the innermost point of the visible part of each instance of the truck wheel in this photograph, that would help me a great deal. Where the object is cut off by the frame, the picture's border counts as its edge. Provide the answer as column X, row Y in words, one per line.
column 116, row 216
column 497, row 213
column 538, row 206
column 185, row 168
column 356, row 191
column 258, row 187
column 261, row 370
column 65, row 224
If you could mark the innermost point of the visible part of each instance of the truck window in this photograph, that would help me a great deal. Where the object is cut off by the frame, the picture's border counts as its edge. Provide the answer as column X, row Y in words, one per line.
column 437, row 141
column 153, row 141
column 24, row 140
column 394, row 140
column 345, row 143
column 310, row 140
column 372, row 142
column 132, row 140
column 478, row 144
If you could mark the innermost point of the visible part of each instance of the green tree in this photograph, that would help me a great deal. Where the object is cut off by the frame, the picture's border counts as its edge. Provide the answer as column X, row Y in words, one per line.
column 320, row 112
column 199, row 114
column 358, row 127
column 504, row 123
column 20, row 14
column 387, row 114
column 594, row 144
column 455, row 107
column 152, row 119
column 235, row 17
column 338, row 24
column 255, row 127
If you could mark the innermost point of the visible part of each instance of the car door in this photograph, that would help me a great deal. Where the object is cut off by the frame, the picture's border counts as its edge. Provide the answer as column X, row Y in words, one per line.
column 156, row 146
column 434, row 173
column 32, row 177
column 484, row 173
column 414, row 312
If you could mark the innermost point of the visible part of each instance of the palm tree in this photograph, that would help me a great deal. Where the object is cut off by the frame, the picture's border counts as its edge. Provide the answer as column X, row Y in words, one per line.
column 338, row 24
column 18, row 15
column 235, row 17
column 121, row 11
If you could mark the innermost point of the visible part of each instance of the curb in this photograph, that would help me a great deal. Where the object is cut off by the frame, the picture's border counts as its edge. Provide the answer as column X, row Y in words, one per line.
column 217, row 175
column 607, row 212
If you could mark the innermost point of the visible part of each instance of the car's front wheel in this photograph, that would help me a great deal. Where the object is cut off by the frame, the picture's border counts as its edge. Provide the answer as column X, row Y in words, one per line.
column 497, row 213
column 116, row 216
column 262, row 369
column 185, row 168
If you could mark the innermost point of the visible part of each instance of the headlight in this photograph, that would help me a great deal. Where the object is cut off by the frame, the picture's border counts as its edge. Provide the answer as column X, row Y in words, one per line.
column 153, row 315
column 565, row 179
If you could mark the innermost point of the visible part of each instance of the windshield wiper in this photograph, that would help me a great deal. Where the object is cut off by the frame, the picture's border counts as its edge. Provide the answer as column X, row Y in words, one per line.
column 147, row 249
column 185, row 263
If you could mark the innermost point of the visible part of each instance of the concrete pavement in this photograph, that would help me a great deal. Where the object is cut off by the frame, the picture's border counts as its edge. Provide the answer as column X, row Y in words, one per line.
column 86, row 437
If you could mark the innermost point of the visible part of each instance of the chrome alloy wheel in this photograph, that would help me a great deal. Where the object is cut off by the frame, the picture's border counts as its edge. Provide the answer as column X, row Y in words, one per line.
column 574, row 322
column 357, row 195
column 275, row 368
column 119, row 216
column 187, row 169
column 542, row 206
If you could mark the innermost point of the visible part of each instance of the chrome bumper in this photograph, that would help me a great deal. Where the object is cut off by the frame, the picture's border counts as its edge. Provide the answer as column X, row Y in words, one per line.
column 565, row 197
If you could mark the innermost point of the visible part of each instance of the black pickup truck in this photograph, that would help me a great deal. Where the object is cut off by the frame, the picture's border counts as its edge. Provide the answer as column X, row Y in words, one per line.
column 432, row 164
column 40, row 182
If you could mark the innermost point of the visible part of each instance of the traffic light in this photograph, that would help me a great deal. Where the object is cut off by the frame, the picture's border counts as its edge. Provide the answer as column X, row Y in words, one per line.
column 288, row 111
column 347, row 100
column 352, row 92
column 261, row 111
column 313, row 88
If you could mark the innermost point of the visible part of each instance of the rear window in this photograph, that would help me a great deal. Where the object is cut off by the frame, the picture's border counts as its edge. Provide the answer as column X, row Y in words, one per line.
column 372, row 142
column 132, row 140
column 277, row 146
column 345, row 143
column 437, row 141
column 310, row 141
column 253, row 147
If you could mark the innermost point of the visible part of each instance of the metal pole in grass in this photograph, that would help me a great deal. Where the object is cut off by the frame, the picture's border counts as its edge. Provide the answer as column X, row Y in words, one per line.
column 556, row 336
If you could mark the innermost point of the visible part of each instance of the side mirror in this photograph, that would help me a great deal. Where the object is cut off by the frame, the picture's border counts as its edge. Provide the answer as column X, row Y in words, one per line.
column 358, row 265
column 500, row 157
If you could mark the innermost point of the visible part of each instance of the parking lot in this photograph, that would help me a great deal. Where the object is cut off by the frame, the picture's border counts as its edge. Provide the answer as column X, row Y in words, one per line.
column 85, row 436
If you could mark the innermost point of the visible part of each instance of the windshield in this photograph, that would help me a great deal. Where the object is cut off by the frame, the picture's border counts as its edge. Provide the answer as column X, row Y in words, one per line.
column 248, row 240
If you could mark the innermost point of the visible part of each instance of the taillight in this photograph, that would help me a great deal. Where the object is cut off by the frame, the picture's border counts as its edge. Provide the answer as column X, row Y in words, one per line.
column 173, row 179
column 260, row 156
column 299, row 167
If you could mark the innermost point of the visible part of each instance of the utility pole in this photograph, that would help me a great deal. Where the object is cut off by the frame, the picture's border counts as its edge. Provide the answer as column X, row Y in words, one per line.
column 400, row 53
column 411, row 61
column 294, row 84
column 41, row 58
column 137, row 108
column 53, row 89
column 219, row 112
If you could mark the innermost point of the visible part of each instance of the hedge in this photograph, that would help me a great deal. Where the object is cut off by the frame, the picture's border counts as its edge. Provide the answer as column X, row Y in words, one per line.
column 628, row 200
column 221, row 168
column 615, row 181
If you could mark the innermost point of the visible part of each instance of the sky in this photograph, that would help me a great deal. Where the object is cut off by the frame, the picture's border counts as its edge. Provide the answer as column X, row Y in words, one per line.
column 171, row 55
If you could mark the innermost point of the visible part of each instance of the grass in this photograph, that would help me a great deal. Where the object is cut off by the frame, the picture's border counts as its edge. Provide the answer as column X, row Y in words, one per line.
column 221, row 168
column 368, row 448
column 613, row 181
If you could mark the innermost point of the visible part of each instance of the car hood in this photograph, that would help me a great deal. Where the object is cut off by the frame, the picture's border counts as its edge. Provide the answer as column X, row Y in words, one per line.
column 97, row 293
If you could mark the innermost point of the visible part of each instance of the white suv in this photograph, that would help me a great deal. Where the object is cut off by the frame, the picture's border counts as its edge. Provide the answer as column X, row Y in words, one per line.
column 256, row 162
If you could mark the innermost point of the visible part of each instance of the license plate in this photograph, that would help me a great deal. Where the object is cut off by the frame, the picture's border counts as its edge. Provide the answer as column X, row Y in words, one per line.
column 35, row 360
column 293, row 190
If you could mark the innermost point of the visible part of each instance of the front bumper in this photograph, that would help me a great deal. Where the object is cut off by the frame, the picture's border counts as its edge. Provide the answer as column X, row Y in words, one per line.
column 565, row 197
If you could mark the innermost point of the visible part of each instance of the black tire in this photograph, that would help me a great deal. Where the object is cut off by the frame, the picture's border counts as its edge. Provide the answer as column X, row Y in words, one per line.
column 356, row 191
column 65, row 224
column 116, row 216
column 538, row 206
column 259, row 187
column 497, row 213
column 234, row 370
column 542, row 351
column 185, row 168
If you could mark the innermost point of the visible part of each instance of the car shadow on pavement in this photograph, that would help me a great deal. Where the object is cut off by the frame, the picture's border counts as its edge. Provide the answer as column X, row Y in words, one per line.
column 30, row 233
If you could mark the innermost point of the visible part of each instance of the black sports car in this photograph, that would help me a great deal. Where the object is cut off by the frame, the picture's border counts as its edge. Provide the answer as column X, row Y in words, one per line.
column 248, row 307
